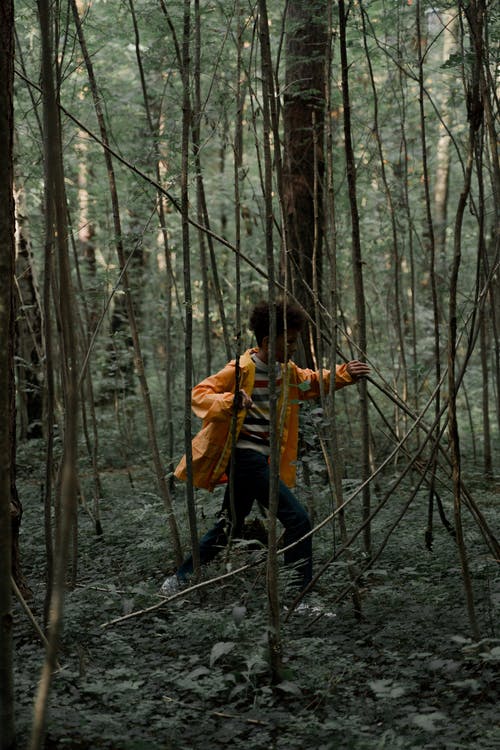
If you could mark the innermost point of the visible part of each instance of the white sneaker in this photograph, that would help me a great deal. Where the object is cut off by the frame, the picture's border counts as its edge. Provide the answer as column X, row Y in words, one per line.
column 313, row 609
column 310, row 609
column 170, row 586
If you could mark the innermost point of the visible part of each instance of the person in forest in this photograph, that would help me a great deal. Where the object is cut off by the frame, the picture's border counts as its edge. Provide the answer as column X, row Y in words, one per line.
column 214, row 401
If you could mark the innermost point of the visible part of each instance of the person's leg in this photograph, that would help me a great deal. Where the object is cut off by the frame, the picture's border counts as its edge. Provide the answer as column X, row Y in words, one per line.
column 252, row 480
column 296, row 521
column 210, row 545
column 217, row 537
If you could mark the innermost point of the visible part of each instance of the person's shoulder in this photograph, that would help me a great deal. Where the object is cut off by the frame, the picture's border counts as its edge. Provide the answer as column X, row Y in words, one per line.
column 246, row 359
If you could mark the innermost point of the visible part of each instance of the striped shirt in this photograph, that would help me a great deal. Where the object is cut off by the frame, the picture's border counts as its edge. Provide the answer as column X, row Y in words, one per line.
column 254, row 433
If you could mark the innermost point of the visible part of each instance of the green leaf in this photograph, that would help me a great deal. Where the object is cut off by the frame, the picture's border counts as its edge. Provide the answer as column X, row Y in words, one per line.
column 289, row 687
column 305, row 386
column 220, row 649
column 428, row 721
column 198, row 672
column 470, row 684
column 455, row 60
column 493, row 655
column 387, row 689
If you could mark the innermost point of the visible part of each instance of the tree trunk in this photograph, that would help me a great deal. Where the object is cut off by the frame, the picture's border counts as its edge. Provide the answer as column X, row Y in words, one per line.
column 86, row 232
column 56, row 196
column 188, row 302
column 395, row 296
column 7, row 732
column 29, row 344
column 357, row 265
column 443, row 159
column 303, row 158
column 475, row 18
column 274, row 635
column 331, row 443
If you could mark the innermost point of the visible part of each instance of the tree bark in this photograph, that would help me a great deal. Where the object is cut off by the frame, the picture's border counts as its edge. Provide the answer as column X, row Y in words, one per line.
column 475, row 17
column 56, row 196
column 303, row 157
column 29, row 343
column 7, row 733
column 274, row 636
column 357, row 268
column 443, row 157
column 86, row 230
column 188, row 302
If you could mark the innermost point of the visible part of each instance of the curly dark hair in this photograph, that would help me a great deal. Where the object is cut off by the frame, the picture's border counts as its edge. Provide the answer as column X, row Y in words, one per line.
column 259, row 319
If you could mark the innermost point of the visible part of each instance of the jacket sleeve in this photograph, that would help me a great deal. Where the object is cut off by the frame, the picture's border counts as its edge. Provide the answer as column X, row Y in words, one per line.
column 308, row 381
column 213, row 398
column 342, row 377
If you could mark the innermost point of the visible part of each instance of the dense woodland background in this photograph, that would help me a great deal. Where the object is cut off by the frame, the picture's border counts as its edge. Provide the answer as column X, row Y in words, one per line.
column 171, row 164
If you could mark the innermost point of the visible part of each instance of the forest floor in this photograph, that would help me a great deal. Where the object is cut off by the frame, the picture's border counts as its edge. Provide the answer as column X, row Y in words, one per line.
column 193, row 673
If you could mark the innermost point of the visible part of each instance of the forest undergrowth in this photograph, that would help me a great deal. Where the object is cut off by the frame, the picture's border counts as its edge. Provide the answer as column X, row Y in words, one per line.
column 193, row 673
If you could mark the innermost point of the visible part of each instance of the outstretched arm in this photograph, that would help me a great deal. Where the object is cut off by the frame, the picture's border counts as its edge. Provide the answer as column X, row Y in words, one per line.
column 345, row 374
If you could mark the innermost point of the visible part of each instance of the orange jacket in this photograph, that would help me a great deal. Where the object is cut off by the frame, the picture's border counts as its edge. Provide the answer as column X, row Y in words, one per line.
column 212, row 401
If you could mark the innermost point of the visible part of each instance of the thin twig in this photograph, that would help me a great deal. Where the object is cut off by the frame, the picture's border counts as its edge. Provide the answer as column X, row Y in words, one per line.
column 31, row 617
column 221, row 714
column 182, row 593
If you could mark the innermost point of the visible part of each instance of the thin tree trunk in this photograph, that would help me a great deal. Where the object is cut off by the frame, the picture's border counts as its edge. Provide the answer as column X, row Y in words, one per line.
column 303, row 124
column 483, row 314
column 87, row 396
column 397, row 317
column 490, row 101
column 443, row 157
column 357, row 262
column 7, row 419
column 452, row 412
column 238, row 157
column 49, row 404
column 494, row 298
column 484, row 352
column 431, row 244
column 188, row 302
column 475, row 17
column 55, row 195
column 86, row 230
column 331, row 444
column 29, row 343
column 196, row 136
column 274, row 635
column 413, row 292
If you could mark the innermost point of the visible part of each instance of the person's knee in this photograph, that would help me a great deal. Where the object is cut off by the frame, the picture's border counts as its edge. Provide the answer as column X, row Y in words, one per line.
column 301, row 523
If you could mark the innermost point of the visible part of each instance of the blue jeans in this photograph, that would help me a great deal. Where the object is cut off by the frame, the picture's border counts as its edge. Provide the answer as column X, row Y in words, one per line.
column 251, row 482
